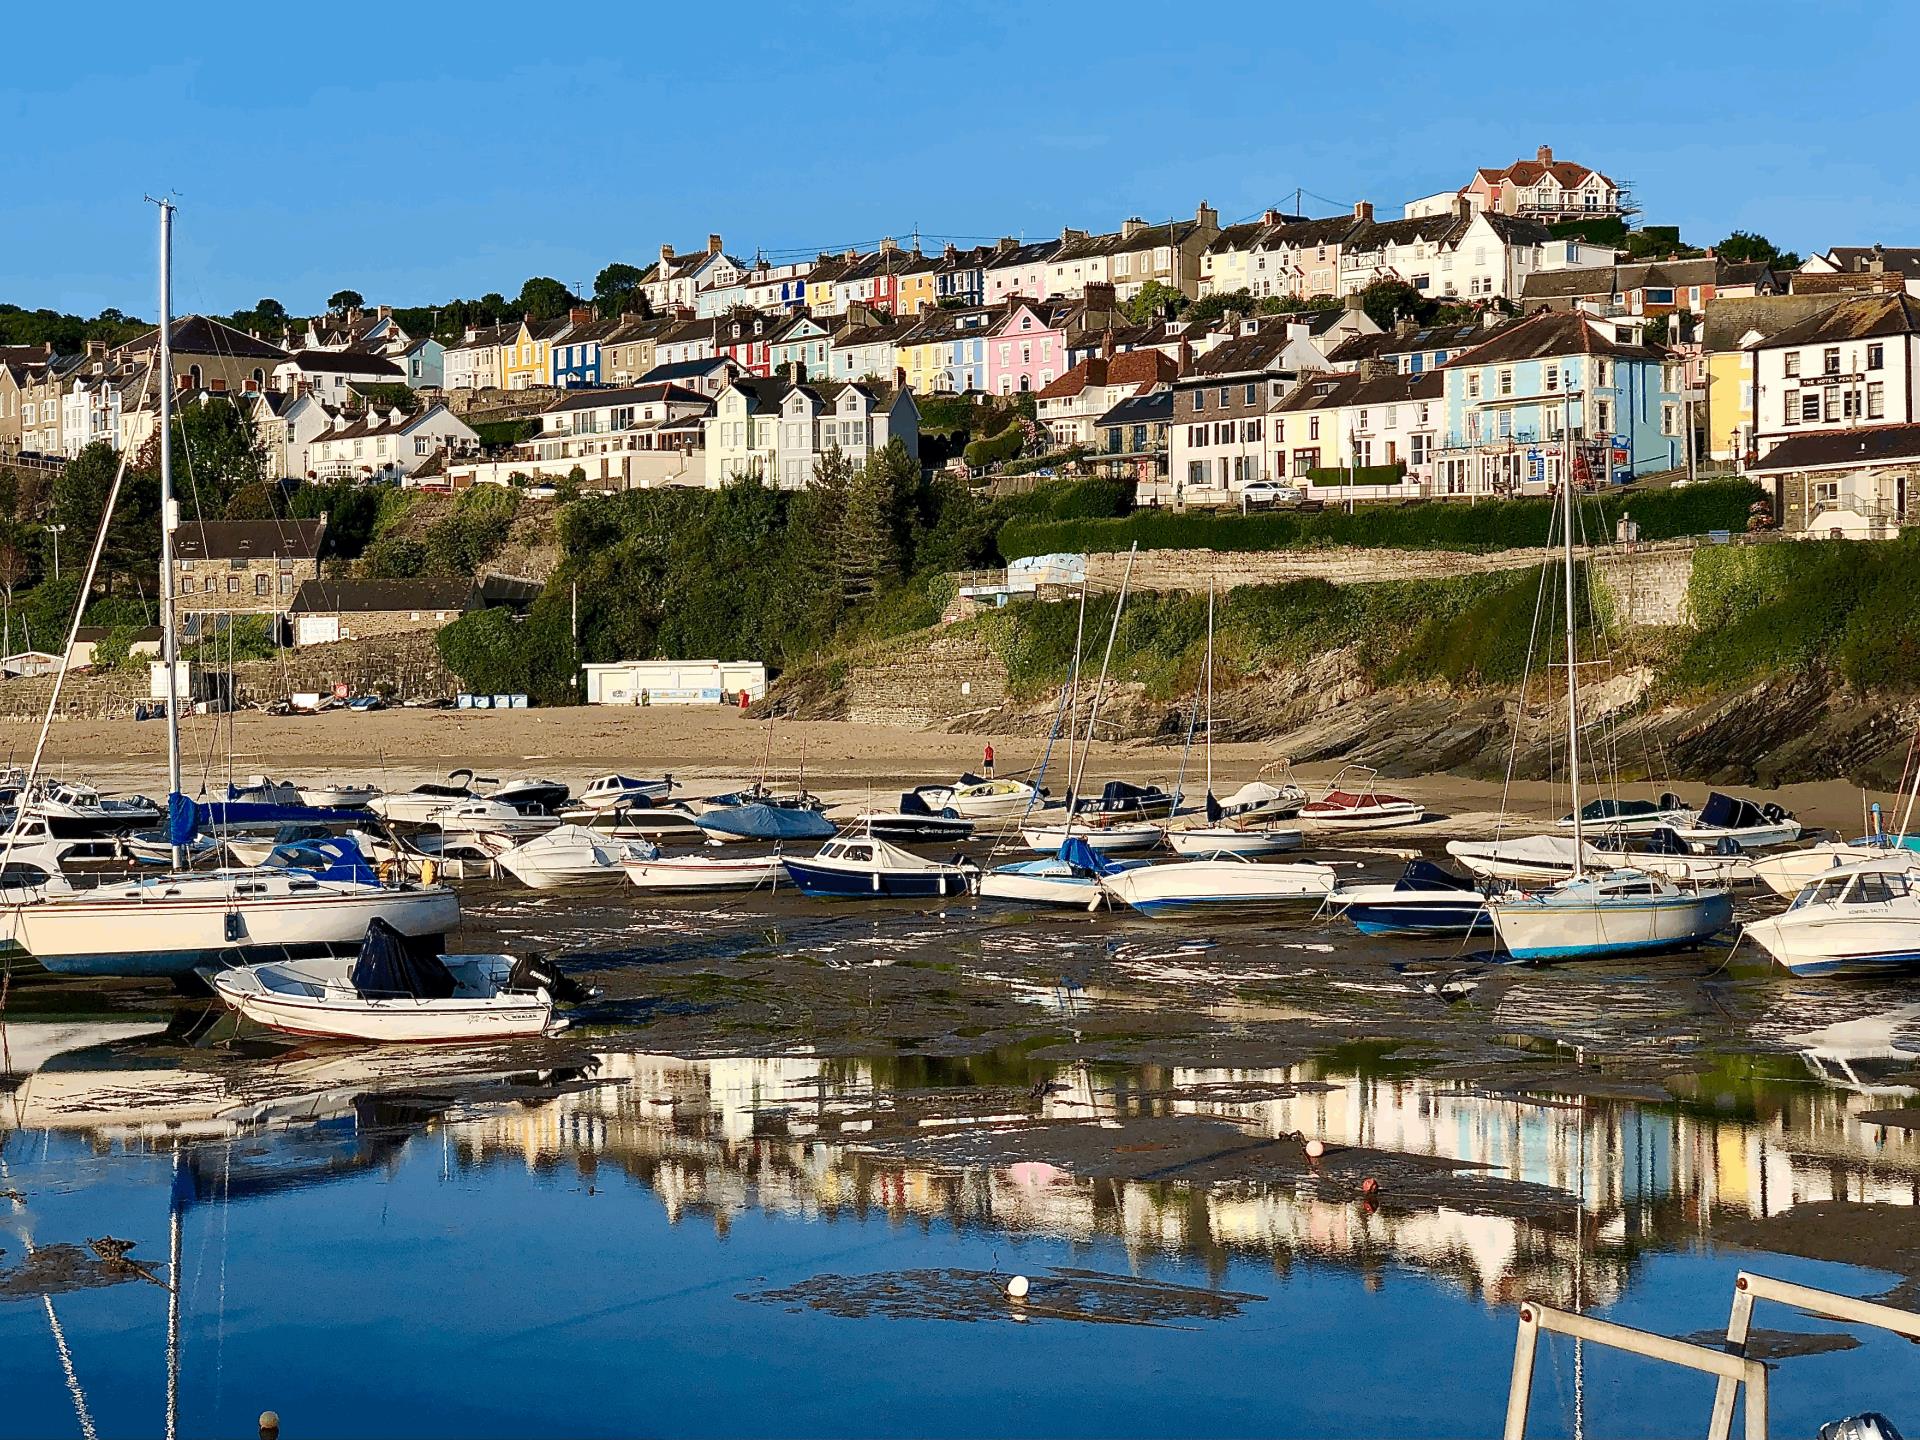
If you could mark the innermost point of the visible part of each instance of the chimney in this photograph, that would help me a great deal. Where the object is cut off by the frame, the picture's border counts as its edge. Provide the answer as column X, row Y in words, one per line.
column 1404, row 326
column 1363, row 210
column 1352, row 301
column 1099, row 296
column 899, row 377
column 384, row 312
column 580, row 315
column 1375, row 368
column 1544, row 154
column 1186, row 356
column 1067, row 233
column 1106, row 345
column 1131, row 227
column 666, row 255
column 1206, row 217
column 948, row 253
column 96, row 349
column 1462, row 207
column 888, row 245
column 1269, row 217
column 1000, row 247
column 713, row 244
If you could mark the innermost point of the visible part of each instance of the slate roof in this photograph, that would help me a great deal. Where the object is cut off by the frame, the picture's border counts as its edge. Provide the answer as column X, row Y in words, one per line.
column 689, row 369
column 1432, row 337
column 1549, row 334
column 1323, row 390
column 1117, row 242
column 329, row 597
column 1153, row 408
column 1031, row 253
column 1855, row 259
column 1728, row 320
column 1590, row 280
column 1876, row 445
column 345, row 362
column 248, row 539
column 198, row 335
column 485, row 336
column 643, row 394
column 1859, row 318
column 1244, row 354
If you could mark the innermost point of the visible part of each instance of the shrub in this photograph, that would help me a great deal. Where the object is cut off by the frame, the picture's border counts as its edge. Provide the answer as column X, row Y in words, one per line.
column 980, row 454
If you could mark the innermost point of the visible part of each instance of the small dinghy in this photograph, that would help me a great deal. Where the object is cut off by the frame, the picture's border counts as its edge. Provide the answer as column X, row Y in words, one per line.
column 1258, row 802
column 1425, row 900
column 569, row 855
column 692, row 874
column 338, row 797
column 1248, row 842
column 862, row 868
column 639, row 819
column 1749, row 825
column 254, row 849
column 973, row 797
column 1354, row 802
column 397, row 992
column 915, row 823
column 1183, row 886
column 155, row 847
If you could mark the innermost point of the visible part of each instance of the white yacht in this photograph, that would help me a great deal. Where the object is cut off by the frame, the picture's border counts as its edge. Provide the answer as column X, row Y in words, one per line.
column 565, row 856
column 1858, row 919
column 1225, row 884
column 76, row 811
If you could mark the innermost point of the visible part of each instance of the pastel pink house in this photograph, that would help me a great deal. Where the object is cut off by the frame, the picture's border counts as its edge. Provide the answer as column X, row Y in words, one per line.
column 1027, row 349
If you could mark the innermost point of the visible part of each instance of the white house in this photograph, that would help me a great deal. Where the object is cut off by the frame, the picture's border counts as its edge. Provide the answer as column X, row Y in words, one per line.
column 332, row 374
column 473, row 363
column 675, row 281
column 386, row 445
column 674, row 682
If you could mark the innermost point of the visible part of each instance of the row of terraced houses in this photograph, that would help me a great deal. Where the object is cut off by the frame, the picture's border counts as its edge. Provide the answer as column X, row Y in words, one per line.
column 1568, row 361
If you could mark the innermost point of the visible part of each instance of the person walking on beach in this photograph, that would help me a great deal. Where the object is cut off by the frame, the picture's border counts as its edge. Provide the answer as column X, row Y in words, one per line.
column 986, row 760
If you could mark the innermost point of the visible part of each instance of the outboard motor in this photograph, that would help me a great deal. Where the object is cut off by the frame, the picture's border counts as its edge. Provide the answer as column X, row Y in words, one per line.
column 536, row 972
column 1868, row 1425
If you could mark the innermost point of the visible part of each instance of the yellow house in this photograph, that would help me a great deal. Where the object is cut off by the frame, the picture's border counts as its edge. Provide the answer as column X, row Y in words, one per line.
column 827, row 270
column 917, row 290
column 1733, row 327
column 527, row 360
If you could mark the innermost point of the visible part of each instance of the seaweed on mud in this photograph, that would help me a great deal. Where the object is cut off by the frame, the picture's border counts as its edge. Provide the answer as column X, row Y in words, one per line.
column 1087, row 1296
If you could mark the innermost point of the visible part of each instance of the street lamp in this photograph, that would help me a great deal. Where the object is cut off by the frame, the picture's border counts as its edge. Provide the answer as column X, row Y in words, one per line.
column 55, row 531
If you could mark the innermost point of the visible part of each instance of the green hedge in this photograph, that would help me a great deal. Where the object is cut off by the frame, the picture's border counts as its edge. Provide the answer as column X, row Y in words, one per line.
column 1439, row 525
column 1004, row 446
column 1359, row 475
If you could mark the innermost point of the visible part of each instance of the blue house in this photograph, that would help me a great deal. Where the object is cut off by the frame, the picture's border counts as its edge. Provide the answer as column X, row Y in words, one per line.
column 1552, row 389
column 576, row 354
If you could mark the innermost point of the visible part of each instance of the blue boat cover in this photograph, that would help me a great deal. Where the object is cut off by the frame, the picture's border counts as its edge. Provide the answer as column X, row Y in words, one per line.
column 185, row 816
column 334, row 858
column 1082, row 856
column 767, row 822
column 391, row 965
column 1425, row 875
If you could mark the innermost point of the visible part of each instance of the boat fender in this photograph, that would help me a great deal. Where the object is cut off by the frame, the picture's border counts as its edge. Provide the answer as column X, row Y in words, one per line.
column 429, row 871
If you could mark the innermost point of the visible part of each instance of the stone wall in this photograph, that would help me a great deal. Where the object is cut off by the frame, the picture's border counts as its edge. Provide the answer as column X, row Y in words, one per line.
column 1648, row 585
column 935, row 683
column 408, row 665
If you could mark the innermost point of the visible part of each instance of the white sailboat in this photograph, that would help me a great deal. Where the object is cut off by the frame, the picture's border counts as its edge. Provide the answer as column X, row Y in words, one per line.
column 172, row 923
column 1611, row 912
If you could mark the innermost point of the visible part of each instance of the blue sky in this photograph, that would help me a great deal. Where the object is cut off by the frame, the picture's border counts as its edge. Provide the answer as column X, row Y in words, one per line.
column 416, row 152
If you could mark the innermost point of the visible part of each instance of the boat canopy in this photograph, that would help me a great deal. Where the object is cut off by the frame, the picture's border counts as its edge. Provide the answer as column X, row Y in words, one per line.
column 1425, row 875
column 1599, row 812
column 184, row 816
column 1081, row 856
column 913, row 803
column 391, row 967
column 1730, row 812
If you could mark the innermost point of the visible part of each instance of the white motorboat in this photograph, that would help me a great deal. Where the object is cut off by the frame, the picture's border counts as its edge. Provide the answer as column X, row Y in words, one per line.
column 1354, row 801
column 423, row 803
column 1610, row 815
column 76, row 811
column 1185, row 886
column 1249, row 841
column 688, row 874
column 167, row 925
column 30, row 846
column 1425, row 900
column 1258, row 802
column 972, row 797
column 155, row 847
column 565, row 856
column 1662, row 852
column 1788, row 872
column 914, row 823
column 1107, row 839
column 1618, row 912
column 1858, row 919
column 1070, row 878
column 613, row 792
column 391, row 995
column 1526, row 859
column 860, row 867
column 255, row 849
column 488, row 820
column 1749, row 825
column 338, row 797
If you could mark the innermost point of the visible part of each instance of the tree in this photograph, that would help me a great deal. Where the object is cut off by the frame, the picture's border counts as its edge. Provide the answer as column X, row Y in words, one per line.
column 1212, row 307
column 870, row 548
column 1744, row 245
column 616, row 290
column 344, row 300
column 544, row 298
column 13, row 569
column 1386, row 301
column 1154, row 300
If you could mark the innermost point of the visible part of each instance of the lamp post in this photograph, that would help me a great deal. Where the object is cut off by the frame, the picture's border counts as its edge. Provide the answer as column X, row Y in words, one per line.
column 55, row 531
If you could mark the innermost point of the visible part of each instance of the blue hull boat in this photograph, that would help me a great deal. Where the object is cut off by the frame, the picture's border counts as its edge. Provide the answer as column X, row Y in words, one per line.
column 831, row 882
column 1426, row 900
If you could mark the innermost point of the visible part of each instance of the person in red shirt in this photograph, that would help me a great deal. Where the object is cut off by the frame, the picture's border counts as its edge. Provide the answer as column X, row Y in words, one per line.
column 987, row 760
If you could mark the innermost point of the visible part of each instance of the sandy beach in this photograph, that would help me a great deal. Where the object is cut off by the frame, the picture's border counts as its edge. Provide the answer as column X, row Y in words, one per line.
column 710, row 748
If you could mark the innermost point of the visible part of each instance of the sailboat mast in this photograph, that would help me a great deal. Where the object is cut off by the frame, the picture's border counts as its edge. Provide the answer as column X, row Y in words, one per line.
column 169, row 637
column 1210, row 694
column 1573, row 668
column 1106, row 661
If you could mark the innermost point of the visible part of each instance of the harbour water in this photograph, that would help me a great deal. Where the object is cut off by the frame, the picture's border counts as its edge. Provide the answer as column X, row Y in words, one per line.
column 776, row 1179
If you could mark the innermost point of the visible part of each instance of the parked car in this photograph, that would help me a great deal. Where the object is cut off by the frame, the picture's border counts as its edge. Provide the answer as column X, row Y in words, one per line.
column 1263, row 494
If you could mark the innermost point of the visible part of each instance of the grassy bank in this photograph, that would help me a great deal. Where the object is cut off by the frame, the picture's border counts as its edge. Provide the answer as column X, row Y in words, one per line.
column 1447, row 525
column 1464, row 630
